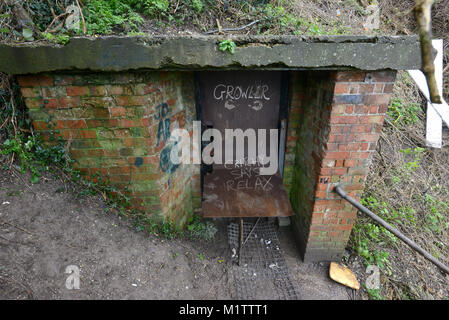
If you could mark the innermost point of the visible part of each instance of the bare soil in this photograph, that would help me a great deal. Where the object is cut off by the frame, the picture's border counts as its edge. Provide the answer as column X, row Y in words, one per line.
column 44, row 230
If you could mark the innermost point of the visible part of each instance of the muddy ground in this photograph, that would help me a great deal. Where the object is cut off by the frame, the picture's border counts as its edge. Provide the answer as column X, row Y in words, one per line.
column 44, row 230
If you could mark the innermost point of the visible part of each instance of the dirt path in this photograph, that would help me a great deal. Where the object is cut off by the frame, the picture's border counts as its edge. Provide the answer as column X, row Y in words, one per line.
column 42, row 231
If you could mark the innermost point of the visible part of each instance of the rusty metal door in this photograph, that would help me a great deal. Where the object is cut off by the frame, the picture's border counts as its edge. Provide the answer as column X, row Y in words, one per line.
column 242, row 100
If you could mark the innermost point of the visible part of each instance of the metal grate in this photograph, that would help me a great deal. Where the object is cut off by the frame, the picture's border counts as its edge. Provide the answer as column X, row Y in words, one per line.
column 263, row 269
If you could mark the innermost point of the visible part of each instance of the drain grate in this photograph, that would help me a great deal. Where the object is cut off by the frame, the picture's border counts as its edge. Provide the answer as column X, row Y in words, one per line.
column 263, row 269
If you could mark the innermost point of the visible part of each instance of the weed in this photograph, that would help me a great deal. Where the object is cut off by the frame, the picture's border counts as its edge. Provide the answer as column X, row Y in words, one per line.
column 374, row 294
column 107, row 16
column 197, row 5
column 403, row 114
column 416, row 153
column 197, row 229
column 60, row 38
column 368, row 235
column 227, row 45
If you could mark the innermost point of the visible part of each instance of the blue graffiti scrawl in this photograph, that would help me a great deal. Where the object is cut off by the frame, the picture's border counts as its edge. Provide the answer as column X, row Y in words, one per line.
column 163, row 129
column 163, row 132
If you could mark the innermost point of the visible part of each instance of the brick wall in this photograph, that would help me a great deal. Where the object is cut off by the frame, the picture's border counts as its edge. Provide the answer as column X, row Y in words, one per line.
column 340, row 116
column 118, row 125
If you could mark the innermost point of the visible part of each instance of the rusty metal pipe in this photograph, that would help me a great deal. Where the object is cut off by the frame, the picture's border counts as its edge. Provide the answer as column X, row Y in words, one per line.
column 390, row 228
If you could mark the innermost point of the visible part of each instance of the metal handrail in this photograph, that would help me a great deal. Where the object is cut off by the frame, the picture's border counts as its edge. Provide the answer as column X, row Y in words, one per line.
column 390, row 228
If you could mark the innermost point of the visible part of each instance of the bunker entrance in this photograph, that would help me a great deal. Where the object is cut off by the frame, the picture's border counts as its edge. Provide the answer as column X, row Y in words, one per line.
column 243, row 132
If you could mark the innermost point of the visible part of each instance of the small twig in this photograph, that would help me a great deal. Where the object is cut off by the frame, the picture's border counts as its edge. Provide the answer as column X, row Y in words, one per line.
column 82, row 17
column 218, row 25
column 232, row 29
column 20, row 228
column 176, row 8
column 4, row 122
column 249, row 234
column 54, row 20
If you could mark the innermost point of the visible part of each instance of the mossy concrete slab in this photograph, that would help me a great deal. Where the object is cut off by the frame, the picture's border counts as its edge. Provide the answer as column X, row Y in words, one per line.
column 114, row 53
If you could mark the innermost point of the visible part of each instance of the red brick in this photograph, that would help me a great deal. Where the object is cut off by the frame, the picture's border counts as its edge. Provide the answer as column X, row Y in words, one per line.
column 40, row 125
column 76, row 124
column 30, row 92
column 119, row 170
column 354, row 88
column 76, row 153
column 342, row 227
column 361, row 128
column 71, row 134
column 111, row 153
column 350, row 162
column 130, row 123
column 349, row 147
column 45, row 80
column 97, row 90
column 366, row 88
column 88, row 134
column 117, row 111
column 337, row 155
column 144, row 89
column 372, row 99
column 373, row 109
column 383, row 76
column 93, row 123
column 383, row 108
column 28, row 81
column 101, row 113
column 51, row 103
column 339, row 171
column 115, row 90
column 341, row 138
column 341, row 88
column 130, row 100
column 34, row 81
column 361, row 109
column 69, row 102
column 388, row 88
column 349, row 109
column 372, row 119
column 350, row 76
column 339, row 163
column 119, row 178
column 94, row 153
column 33, row 103
column 60, row 124
column 368, row 137
column 63, row 80
column 77, row 91
column 344, row 119
column 378, row 88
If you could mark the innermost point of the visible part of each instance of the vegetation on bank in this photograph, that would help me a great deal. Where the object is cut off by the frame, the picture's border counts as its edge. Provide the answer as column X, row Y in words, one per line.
column 47, row 19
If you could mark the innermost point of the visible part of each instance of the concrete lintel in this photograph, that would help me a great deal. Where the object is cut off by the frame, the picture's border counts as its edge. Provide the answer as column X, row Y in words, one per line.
column 114, row 53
